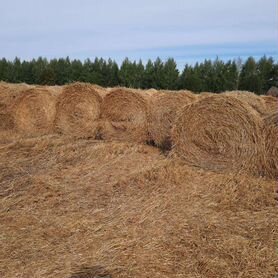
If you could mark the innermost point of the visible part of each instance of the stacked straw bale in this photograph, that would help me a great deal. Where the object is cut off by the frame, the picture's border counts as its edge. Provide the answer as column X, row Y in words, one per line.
column 163, row 111
column 124, row 116
column 78, row 110
column 219, row 133
column 34, row 111
column 271, row 145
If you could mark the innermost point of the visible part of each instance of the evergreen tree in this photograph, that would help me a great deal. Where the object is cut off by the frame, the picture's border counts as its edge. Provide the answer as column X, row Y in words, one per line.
column 214, row 76
column 27, row 72
column 170, row 76
column 190, row 79
column 265, row 68
column 112, row 74
column 39, row 66
column 249, row 78
column 158, row 66
column 148, row 78
column 76, row 72
column 4, row 69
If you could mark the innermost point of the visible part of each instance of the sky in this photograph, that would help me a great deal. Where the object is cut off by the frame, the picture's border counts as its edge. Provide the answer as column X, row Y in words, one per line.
column 187, row 30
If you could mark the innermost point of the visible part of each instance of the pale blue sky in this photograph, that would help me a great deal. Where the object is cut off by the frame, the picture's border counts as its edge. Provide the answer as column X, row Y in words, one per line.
column 187, row 30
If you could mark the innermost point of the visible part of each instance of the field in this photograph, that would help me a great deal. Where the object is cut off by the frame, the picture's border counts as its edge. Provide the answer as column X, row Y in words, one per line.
column 116, row 182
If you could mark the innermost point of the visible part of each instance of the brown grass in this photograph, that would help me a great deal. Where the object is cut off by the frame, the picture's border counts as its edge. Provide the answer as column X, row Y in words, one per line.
column 89, row 207
column 271, row 145
column 219, row 133
column 163, row 111
column 78, row 110
column 124, row 116
column 83, row 208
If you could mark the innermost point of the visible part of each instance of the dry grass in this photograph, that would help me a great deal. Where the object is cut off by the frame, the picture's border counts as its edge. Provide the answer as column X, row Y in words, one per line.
column 163, row 110
column 71, row 207
column 78, row 110
column 219, row 133
column 124, row 115
column 83, row 208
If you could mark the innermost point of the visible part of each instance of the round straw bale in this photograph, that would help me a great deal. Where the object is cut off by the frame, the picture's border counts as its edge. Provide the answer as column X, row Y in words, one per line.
column 219, row 133
column 125, row 115
column 255, row 101
column 163, row 111
column 78, row 110
column 271, row 145
column 34, row 111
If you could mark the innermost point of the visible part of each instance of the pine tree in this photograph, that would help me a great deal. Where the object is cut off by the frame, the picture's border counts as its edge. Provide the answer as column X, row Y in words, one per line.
column 4, row 69
column 157, row 81
column 148, row 79
column 170, row 76
column 265, row 68
column 249, row 78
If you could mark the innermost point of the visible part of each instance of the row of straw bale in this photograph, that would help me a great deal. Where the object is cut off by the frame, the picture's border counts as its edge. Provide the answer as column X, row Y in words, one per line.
column 229, row 131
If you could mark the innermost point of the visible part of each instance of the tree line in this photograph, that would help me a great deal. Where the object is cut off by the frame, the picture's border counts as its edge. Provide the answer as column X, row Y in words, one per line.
column 210, row 76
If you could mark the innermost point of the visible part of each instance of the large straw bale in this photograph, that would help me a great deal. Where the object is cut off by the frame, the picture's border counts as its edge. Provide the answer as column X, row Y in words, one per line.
column 124, row 116
column 271, row 145
column 78, row 110
column 163, row 111
column 34, row 111
column 219, row 133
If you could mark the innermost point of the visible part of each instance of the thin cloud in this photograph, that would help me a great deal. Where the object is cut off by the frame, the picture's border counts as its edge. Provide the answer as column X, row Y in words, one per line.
column 104, row 28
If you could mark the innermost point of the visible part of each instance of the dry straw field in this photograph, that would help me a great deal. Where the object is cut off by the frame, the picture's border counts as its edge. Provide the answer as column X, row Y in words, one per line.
column 119, row 182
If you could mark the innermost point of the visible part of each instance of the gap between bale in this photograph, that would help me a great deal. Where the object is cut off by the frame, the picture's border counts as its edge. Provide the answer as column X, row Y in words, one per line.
column 34, row 111
column 219, row 133
column 163, row 110
column 124, row 116
column 78, row 110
